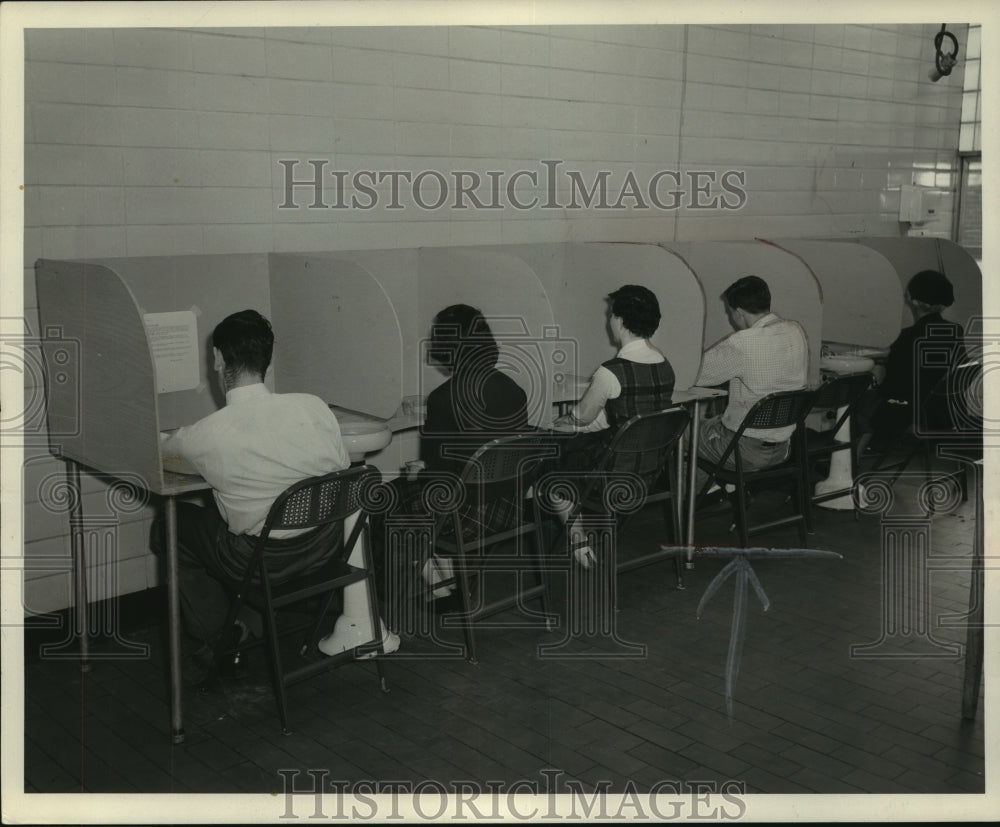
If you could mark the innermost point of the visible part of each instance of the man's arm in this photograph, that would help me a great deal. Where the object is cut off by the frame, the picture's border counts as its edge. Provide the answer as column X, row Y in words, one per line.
column 720, row 363
column 172, row 453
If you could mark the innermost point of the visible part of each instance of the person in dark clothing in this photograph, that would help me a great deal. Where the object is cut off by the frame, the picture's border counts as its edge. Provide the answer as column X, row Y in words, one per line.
column 889, row 410
column 475, row 404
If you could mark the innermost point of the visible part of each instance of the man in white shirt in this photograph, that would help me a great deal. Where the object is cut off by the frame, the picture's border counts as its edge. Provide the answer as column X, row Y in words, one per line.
column 250, row 451
column 766, row 354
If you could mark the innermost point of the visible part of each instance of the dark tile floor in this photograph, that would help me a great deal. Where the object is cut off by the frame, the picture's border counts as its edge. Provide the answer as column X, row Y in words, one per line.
column 639, row 702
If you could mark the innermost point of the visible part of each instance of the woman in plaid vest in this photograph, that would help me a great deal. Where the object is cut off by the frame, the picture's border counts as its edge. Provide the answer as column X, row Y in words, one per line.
column 638, row 380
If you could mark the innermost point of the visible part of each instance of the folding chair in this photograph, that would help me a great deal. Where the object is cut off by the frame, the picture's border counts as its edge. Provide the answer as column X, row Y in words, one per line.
column 948, row 423
column 311, row 503
column 642, row 448
column 494, row 510
column 840, row 393
column 778, row 410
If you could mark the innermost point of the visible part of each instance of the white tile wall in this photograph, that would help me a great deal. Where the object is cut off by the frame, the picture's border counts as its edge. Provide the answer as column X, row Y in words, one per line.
column 156, row 142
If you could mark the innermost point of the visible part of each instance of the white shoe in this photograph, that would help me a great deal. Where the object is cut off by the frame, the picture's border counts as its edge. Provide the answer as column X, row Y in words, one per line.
column 584, row 556
column 390, row 643
column 437, row 569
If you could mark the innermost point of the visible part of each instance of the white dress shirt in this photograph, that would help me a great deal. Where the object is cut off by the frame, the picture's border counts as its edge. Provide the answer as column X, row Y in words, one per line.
column 258, row 445
column 771, row 355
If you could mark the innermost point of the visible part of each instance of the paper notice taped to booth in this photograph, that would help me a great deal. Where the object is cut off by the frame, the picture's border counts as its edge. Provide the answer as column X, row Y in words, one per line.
column 173, row 339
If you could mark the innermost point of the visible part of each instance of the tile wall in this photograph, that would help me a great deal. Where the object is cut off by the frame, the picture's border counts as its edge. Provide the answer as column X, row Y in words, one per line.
column 170, row 141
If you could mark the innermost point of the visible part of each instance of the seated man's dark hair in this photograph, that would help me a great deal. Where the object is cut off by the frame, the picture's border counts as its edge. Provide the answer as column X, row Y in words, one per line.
column 749, row 293
column 638, row 309
column 246, row 341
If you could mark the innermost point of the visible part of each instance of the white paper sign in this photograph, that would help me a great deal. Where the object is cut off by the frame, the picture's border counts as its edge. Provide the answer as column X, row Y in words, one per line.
column 173, row 338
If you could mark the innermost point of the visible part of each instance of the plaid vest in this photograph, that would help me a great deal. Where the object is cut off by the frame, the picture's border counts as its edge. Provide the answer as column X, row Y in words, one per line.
column 645, row 388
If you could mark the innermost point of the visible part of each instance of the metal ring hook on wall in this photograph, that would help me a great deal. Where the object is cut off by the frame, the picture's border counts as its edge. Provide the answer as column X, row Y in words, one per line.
column 945, row 61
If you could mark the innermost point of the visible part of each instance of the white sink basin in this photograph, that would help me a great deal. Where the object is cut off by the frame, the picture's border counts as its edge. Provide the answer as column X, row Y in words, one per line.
column 362, row 438
column 845, row 364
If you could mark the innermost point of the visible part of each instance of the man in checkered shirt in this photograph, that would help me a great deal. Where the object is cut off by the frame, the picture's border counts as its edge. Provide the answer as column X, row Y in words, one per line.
column 764, row 355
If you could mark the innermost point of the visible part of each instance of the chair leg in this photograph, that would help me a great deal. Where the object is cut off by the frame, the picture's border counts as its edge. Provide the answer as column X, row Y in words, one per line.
column 805, row 505
column 375, row 620
column 741, row 514
column 382, row 684
column 541, row 574
column 220, row 645
column 463, row 587
column 927, row 456
column 902, row 466
column 312, row 638
column 672, row 525
column 855, row 447
column 277, row 672
column 804, row 489
column 804, row 500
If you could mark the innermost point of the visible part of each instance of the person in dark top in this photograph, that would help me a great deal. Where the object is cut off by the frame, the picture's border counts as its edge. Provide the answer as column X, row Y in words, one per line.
column 890, row 409
column 475, row 404
column 638, row 380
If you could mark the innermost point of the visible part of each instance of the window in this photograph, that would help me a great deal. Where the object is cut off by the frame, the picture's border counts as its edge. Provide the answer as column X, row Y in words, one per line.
column 970, row 206
column 969, row 215
column 970, row 136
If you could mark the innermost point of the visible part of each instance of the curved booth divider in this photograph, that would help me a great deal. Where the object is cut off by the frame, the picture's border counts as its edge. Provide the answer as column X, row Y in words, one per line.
column 350, row 325
column 139, row 372
column 911, row 255
column 337, row 330
column 211, row 287
column 795, row 292
column 862, row 301
column 578, row 277
column 498, row 281
column 105, row 416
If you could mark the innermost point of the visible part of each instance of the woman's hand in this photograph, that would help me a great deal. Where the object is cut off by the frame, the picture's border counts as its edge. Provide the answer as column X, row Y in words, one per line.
column 566, row 422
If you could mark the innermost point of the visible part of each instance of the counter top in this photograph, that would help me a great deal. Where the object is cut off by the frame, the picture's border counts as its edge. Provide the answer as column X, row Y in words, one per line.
column 849, row 349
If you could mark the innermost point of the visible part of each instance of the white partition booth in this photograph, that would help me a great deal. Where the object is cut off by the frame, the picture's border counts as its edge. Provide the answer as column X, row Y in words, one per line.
column 345, row 332
column 577, row 278
column 862, row 302
column 143, row 327
column 909, row 256
column 356, row 322
column 338, row 333
column 352, row 323
column 508, row 291
column 795, row 292
column 348, row 326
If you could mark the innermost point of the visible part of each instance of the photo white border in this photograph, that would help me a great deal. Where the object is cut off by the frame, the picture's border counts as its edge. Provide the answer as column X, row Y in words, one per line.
column 15, row 17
